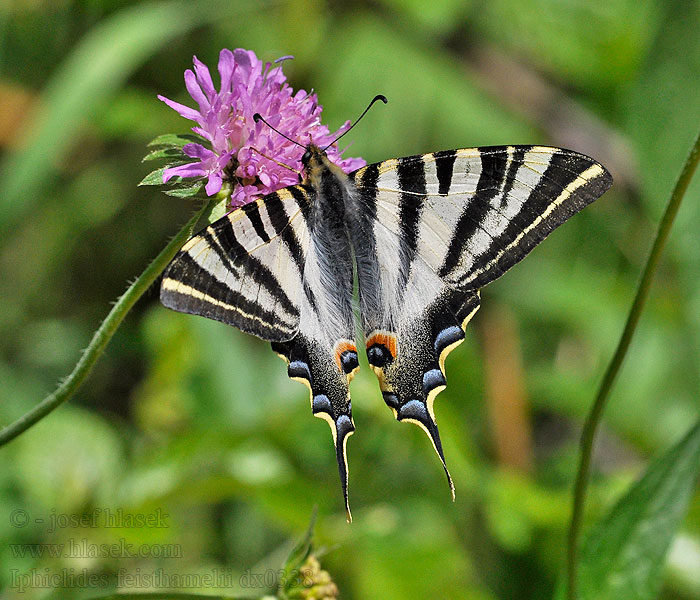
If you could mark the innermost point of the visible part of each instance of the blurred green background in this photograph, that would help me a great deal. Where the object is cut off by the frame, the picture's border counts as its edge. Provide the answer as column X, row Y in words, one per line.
column 196, row 420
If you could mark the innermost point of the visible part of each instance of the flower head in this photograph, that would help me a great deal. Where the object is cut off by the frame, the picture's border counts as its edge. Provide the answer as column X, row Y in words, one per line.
column 253, row 157
column 313, row 583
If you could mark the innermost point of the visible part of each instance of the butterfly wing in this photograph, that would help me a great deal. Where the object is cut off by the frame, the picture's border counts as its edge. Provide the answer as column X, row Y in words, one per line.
column 323, row 355
column 246, row 269
column 260, row 270
column 430, row 231
column 326, row 367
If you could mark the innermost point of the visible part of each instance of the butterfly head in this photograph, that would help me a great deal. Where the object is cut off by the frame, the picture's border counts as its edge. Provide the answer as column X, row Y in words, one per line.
column 313, row 158
column 323, row 174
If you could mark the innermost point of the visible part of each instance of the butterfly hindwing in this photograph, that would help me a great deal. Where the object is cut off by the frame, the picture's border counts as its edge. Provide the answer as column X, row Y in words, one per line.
column 323, row 354
column 326, row 370
column 409, row 361
column 431, row 231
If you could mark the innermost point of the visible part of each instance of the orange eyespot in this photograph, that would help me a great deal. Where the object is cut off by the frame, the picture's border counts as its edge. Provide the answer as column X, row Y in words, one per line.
column 383, row 338
column 345, row 356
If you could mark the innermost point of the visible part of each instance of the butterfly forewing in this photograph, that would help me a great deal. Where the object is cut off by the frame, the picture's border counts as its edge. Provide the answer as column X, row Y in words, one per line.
column 475, row 212
column 246, row 269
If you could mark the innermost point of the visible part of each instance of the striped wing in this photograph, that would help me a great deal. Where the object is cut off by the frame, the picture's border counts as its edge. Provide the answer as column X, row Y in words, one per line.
column 260, row 270
column 471, row 214
column 323, row 355
column 432, row 230
column 246, row 269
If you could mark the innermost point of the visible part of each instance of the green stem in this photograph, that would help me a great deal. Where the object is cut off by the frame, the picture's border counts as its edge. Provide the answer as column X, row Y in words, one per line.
column 103, row 334
column 593, row 419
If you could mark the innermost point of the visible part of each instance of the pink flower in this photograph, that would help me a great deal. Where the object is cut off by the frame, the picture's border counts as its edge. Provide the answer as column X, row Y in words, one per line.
column 254, row 158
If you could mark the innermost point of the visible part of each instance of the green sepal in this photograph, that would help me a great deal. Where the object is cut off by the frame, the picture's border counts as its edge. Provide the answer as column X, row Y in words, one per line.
column 154, row 177
column 178, row 188
column 222, row 207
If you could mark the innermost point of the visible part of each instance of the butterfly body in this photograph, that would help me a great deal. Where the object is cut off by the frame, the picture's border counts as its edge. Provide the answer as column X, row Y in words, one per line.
column 420, row 235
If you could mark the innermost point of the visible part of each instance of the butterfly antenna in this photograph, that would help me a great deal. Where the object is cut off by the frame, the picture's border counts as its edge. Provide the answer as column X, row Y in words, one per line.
column 277, row 162
column 375, row 99
column 258, row 117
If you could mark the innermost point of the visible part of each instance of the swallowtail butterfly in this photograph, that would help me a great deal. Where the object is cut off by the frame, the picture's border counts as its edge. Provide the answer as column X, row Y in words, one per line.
column 421, row 235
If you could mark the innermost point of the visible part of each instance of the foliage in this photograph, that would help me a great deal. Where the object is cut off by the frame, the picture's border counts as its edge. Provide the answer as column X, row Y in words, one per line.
column 624, row 553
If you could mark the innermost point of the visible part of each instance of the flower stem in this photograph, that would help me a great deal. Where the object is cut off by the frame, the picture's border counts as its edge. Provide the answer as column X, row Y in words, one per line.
column 103, row 334
column 594, row 416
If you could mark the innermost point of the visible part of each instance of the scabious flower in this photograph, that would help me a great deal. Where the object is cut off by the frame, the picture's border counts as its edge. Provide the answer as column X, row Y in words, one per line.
column 252, row 157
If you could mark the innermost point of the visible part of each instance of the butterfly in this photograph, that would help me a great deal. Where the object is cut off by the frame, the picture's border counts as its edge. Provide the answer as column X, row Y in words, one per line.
column 420, row 235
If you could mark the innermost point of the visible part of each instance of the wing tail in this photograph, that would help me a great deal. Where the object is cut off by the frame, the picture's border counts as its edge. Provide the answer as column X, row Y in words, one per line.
column 327, row 373
column 410, row 363
column 416, row 412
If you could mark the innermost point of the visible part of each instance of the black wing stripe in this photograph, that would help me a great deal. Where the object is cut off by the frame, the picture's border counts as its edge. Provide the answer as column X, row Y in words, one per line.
column 563, row 170
column 517, row 159
column 444, row 165
column 367, row 187
column 209, row 297
column 555, row 178
column 569, row 183
column 411, row 177
column 523, row 218
column 304, row 196
column 493, row 165
column 252, row 211
column 223, row 241
column 280, row 220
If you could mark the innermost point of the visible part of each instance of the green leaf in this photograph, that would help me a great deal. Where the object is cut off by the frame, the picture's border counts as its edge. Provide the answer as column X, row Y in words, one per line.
column 166, row 153
column 623, row 555
column 299, row 553
column 180, row 188
column 173, row 140
column 154, row 177
column 185, row 191
column 297, row 556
